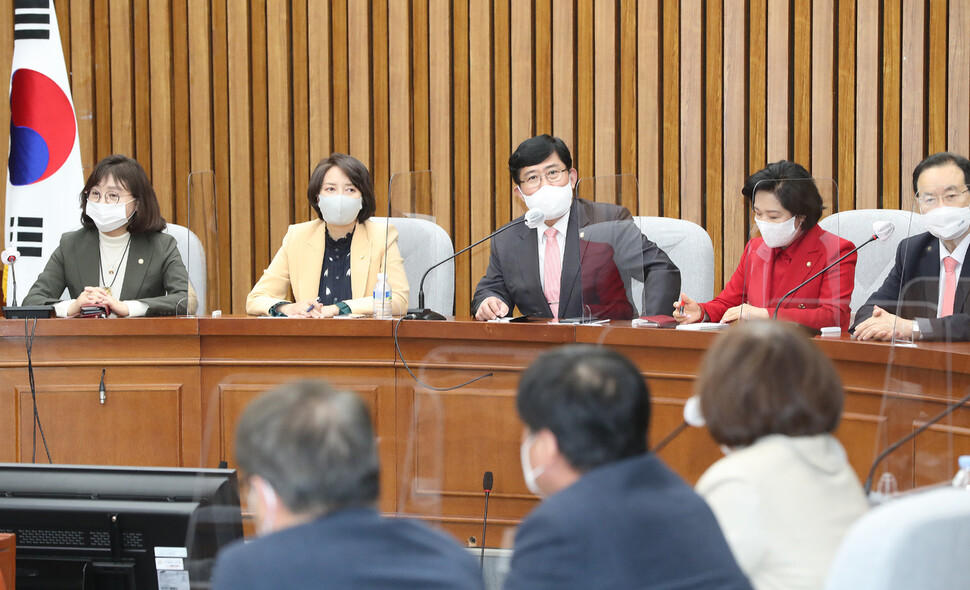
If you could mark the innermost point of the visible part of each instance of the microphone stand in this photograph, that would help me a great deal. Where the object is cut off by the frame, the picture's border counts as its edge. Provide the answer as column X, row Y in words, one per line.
column 774, row 316
column 910, row 436
column 423, row 313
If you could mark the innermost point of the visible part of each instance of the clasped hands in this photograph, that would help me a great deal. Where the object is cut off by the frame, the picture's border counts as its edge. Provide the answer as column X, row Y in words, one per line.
column 687, row 311
column 98, row 296
column 880, row 326
column 308, row 309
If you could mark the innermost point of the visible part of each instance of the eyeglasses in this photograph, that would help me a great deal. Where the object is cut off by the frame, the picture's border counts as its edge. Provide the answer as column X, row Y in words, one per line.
column 110, row 197
column 929, row 201
column 534, row 180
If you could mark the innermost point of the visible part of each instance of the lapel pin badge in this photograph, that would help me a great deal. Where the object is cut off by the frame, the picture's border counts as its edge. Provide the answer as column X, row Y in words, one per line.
column 141, row 261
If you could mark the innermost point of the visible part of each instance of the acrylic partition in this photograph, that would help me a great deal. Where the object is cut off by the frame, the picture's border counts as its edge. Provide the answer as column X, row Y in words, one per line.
column 604, row 267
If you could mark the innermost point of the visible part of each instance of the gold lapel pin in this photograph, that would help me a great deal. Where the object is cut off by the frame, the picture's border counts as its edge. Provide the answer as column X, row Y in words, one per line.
column 141, row 261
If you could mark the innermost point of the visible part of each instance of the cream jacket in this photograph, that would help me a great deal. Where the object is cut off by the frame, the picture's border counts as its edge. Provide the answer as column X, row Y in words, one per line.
column 294, row 273
column 784, row 504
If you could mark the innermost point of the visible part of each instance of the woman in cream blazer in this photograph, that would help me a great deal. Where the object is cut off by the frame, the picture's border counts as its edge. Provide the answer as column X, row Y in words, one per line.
column 341, row 192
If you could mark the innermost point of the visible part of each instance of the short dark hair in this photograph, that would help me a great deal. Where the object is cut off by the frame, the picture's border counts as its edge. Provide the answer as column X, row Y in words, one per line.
column 594, row 401
column 130, row 174
column 798, row 198
column 314, row 445
column 536, row 149
column 767, row 377
column 941, row 159
column 357, row 173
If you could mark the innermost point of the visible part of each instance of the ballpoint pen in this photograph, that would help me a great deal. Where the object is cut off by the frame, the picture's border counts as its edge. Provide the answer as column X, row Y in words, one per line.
column 315, row 301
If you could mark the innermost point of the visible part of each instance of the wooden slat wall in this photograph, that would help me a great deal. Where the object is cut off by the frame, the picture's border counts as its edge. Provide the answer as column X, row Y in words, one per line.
column 689, row 95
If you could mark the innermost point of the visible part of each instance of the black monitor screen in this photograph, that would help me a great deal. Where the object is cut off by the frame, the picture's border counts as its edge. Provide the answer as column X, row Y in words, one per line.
column 124, row 528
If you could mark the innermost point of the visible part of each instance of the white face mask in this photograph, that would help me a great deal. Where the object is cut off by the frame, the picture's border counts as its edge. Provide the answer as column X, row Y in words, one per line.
column 265, row 525
column 339, row 209
column 947, row 223
column 553, row 201
column 108, row 217
column 528, row 472
column 778, row 235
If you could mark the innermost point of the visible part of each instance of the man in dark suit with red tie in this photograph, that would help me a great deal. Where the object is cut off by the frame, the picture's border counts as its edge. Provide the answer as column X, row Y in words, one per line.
column 581, row 261
column 927, row 294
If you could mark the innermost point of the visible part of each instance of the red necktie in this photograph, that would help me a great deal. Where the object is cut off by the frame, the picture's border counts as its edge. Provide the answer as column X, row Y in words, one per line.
column 949, row 286
column 551, row 269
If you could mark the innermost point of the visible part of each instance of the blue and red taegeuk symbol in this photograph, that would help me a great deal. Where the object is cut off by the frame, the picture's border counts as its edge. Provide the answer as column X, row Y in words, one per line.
column 42, row 127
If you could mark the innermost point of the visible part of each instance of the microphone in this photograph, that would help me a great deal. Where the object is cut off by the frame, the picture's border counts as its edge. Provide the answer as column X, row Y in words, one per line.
column 9, row 256
column 102, row 394
column 949, row 410
column 533, row 218
column 881, row 230
column 692, row 417
column 487, row 486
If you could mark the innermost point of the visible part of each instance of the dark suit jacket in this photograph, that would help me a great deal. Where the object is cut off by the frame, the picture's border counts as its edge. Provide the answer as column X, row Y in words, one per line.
column 513, row 265
column 351, row 549
column 912, row 291
column 154, row 274
column 629, row 524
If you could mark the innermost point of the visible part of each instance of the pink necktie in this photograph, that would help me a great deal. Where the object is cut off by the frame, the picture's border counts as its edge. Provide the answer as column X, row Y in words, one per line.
column 551, row 269
column 949, row 285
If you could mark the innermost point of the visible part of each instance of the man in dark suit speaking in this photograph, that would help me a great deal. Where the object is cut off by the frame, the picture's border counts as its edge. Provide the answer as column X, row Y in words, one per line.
column 615, row 515
column 927, row 293
column 580, row 261
column 311, row 461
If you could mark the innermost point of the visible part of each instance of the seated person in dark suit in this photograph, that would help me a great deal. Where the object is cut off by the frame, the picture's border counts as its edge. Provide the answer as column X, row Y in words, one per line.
column 927, row 293
column 311, row 461
column 615, row 516
column 542, row 171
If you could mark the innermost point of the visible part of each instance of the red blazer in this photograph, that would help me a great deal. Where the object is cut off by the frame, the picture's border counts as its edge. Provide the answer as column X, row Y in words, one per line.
column 766, row 274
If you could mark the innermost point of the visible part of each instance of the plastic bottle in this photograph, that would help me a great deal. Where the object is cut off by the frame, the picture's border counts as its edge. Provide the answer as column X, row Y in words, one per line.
column 382, row 298
column 962, row 478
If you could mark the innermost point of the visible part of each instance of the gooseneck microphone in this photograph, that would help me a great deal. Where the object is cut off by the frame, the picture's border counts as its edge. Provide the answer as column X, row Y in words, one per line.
column 533, row 218
column 102, row 394
column 949, row 410
column 9, row 257
column 881, row 230
column 487, row 486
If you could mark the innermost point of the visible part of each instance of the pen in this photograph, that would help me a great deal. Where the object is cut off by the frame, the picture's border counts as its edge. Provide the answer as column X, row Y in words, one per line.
column 315, row 301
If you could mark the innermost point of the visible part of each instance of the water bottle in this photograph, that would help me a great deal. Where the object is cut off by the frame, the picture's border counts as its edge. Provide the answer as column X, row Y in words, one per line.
column 382, row 298
column 962, row 478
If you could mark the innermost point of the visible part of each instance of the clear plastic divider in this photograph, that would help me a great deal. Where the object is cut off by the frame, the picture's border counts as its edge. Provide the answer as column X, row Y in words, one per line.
column 603, row 269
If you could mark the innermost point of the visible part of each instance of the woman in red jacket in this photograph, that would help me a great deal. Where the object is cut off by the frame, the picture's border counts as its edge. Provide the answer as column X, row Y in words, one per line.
column 787, row 206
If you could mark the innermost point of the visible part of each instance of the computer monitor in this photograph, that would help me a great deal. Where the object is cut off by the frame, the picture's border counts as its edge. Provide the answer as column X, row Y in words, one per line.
column 117, row 528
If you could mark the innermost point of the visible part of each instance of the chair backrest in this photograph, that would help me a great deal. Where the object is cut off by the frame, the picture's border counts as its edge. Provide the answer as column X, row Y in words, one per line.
column 877, row 259
column 689, row 247
column 918, row 541
column 424, row 243
column 193, row 257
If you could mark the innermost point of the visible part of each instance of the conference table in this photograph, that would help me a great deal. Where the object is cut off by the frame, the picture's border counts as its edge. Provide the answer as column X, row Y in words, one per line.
column 174, row 389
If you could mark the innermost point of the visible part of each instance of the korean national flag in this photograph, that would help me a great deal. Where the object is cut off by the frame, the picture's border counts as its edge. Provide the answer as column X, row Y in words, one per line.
column 44, row 177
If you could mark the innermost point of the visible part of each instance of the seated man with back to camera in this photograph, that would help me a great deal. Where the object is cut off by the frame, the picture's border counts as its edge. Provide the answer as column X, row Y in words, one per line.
column 927, row 293
column 615, row 515
column 310, row 458
column 520, row 258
